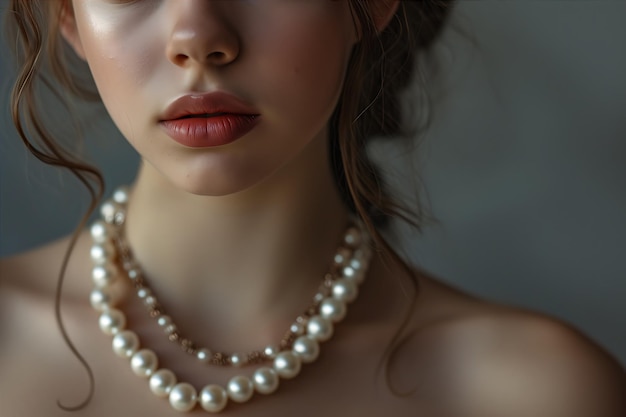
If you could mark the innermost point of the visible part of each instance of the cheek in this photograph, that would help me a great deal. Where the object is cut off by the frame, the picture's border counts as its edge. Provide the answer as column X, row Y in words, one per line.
column 119, row 64
column 309, row 65
column 120, row 55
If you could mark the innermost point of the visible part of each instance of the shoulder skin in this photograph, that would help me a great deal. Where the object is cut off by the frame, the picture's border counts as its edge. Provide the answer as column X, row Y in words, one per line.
column 503, row 362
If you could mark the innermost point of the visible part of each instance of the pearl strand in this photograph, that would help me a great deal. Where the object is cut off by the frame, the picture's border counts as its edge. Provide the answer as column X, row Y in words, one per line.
column 351, row 241
column 331, row 308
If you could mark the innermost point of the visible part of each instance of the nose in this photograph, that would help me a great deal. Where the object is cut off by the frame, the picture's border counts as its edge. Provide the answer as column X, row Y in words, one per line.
column 201, row 34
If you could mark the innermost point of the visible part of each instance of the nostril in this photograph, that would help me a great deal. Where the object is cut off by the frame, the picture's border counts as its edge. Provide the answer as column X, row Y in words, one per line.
column 180, row 59
column 216, row 56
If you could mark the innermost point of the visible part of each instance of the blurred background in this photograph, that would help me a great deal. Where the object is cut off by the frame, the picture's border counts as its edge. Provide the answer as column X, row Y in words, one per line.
column 524, row 163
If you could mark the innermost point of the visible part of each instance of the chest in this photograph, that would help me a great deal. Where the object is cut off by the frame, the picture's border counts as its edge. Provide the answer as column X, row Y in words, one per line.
column 37, row 370
column 122, row 394
column 340, row 383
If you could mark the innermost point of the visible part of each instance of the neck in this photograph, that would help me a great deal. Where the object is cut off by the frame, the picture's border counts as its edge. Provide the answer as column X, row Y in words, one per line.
column 249, row 261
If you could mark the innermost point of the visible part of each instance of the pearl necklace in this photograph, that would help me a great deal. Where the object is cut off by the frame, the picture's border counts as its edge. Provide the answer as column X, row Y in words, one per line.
column 112, row 259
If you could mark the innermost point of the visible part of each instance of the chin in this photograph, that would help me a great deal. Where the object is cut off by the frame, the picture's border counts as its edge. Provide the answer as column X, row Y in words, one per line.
column 210, row 183
column 212, row 190
column 213, row 187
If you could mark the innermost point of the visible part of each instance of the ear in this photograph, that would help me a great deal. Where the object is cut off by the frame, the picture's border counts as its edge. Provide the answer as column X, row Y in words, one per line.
column 383, row 11
column 69, row 29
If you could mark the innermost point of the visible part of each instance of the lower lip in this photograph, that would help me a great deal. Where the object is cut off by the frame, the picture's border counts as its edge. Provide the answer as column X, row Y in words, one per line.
column 206, row 132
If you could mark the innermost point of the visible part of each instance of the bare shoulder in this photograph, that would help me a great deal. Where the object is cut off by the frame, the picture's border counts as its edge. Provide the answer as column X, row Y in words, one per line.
column 32, row 351
column 483, row 359
column 28, row 283
column 515, row 363
column 36, row 270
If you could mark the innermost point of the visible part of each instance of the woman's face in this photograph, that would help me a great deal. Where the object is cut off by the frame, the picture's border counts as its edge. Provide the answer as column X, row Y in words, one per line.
column 277, row 67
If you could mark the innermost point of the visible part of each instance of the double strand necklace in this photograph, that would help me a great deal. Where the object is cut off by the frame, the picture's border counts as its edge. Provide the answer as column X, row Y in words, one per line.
column 114, row 262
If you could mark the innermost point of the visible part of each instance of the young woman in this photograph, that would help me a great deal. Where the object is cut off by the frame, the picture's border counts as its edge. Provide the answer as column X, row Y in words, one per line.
column 222, row 277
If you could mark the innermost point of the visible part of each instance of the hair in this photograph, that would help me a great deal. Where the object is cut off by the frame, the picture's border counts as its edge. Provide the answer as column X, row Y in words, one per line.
column 380, row 69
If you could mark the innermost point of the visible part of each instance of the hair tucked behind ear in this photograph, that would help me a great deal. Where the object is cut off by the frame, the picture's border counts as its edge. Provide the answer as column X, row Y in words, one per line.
column 381, row 68
column 32, row 29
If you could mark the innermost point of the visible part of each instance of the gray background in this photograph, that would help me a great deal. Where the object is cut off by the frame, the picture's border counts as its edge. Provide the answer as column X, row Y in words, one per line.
column 524, row 163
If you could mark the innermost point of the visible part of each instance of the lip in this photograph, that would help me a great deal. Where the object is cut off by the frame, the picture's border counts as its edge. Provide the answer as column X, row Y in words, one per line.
column 208, row 120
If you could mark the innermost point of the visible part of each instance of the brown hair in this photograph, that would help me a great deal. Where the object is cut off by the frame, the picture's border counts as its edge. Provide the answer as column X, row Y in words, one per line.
column 381, row 67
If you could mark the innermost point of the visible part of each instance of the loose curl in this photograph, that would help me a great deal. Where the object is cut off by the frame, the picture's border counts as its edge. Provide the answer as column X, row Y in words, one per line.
column 380, row 69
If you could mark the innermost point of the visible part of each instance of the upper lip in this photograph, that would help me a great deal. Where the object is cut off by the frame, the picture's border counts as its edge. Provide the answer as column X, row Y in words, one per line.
column 202, row 104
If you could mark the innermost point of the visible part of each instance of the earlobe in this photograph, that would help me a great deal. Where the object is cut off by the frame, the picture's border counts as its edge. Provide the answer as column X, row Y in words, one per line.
column 69, row 29
column 383, row 11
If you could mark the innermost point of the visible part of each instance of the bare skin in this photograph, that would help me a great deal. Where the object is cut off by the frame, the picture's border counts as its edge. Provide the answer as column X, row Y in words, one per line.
column 464, row 356
column 235, row 240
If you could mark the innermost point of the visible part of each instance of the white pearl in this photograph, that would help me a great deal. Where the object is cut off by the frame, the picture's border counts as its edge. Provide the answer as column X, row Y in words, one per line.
column 167, row 324
column 144, row 363
column 125, row 344
column 133, row 273
column 102, row 252
column 341, row 257
column 107, row 211
column 297, row 328
column 204, row 355
column 164, row 321
column 352, row 237
column 104, row 274
column 120, row 217
column 120, row 195
column 320, row 328
column 150, row 301
column 143, row 292
column 270, row 351
column 348, row 272
column 306, row 348
column 102, row 299
column 112, row 321
column 265, row 380
column 237, row 359
column 356, row 264
column 183, row 397
column 333, row 309
column 345, row 290
column 171, row 329
column 213, row 398
column 162, row 382
column 287, row 364
column 100, row 231
column 240, row 389
column 351, row 274
column 112, row 212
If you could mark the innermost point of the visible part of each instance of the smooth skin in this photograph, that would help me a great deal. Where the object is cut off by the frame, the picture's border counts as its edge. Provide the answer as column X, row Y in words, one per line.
column 235, row 240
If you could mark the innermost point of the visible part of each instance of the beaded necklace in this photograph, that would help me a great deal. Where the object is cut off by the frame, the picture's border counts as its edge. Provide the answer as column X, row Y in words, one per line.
column 113, row 262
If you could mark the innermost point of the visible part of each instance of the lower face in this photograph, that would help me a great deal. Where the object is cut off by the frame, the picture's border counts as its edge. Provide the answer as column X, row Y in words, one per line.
column 285, row 58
